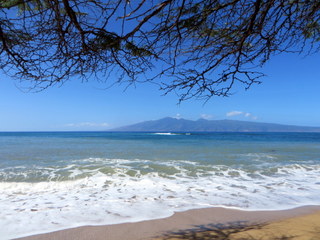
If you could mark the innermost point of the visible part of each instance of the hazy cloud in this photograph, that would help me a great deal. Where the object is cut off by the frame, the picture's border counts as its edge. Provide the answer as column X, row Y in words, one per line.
column 206, row 116
column 177, row 116
column 234, row 113
column 240, row 113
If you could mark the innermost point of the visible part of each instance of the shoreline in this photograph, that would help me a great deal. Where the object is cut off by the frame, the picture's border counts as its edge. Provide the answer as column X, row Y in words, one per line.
column 183, row 223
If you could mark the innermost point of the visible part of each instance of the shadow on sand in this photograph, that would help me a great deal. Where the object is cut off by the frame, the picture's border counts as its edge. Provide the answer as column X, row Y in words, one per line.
column 229, row 231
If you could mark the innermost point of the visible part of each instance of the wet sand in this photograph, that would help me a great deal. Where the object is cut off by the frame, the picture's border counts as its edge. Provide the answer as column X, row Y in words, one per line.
column 296, row 224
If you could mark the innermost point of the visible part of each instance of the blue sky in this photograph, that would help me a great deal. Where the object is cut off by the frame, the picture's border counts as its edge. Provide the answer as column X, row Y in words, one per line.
column 290, row 94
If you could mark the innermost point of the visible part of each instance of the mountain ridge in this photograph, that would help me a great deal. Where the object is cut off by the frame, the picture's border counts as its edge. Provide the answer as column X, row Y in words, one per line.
column 169, row 124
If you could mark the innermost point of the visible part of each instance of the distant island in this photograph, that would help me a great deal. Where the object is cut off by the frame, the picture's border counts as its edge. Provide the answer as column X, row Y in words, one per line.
column 169, row 124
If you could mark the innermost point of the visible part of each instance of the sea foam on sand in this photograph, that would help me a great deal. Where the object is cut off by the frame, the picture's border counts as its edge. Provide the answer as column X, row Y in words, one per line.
column 127, row 195
column 300, row 223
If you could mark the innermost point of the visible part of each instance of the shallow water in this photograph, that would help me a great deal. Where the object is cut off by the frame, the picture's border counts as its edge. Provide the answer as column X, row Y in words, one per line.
column 92, row 178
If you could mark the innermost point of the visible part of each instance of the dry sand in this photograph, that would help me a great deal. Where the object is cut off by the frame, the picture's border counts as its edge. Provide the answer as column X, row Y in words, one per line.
column 305, row 227
column 211, row 223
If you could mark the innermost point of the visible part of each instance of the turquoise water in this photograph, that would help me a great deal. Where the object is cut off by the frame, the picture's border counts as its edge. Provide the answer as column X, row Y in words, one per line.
column 71, row 179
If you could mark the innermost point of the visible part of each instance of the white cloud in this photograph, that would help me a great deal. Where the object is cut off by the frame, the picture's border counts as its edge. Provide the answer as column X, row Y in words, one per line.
column 234, row 113
column 240, row 113
column 87, row 124
column 178, row 116
column 206, row 116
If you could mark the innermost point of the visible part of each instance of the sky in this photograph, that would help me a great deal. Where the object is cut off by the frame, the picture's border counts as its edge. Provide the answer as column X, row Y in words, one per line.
column 289, row 94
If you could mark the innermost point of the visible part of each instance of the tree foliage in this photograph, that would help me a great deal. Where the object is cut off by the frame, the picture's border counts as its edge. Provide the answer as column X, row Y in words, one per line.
column 196, row 48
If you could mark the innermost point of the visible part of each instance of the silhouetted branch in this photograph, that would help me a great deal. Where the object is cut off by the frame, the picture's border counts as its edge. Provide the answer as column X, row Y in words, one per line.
column 196, row 49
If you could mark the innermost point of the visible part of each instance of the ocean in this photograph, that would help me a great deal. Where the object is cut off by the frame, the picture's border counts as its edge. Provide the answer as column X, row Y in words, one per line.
column 56, row 180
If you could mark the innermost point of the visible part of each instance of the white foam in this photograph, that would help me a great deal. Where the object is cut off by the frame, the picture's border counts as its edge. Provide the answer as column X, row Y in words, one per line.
column 166, row 133
column 119, row 197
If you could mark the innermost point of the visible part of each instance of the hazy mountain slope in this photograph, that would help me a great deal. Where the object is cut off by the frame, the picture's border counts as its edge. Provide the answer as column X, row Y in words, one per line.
column 182, row 125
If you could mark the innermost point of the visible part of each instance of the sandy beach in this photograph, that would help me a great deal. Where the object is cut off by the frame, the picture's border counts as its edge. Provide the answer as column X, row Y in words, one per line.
column 210, row 223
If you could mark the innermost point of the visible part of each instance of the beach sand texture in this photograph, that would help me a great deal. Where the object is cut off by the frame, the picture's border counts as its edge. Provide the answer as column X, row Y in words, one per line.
column 306, row 227
column 298, row 228
column 213, row 223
